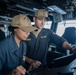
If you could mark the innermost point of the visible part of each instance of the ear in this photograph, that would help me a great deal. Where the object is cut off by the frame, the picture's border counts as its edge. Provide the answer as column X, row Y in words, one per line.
column 34, row 19
column 15, row 29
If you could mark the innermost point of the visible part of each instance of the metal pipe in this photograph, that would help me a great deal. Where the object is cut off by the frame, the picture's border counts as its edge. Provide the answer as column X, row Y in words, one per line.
column 25, row 8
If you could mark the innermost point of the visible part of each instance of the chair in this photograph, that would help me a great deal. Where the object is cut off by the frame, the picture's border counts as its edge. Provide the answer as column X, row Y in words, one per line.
column 70, row 36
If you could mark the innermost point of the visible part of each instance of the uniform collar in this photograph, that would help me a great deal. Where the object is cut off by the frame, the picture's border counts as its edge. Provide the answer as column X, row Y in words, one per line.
column 15, row 49
column 13, row 44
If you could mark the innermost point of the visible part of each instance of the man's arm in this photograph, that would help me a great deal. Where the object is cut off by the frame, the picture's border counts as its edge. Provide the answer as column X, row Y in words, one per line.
column 68, row 46
column 19, row 70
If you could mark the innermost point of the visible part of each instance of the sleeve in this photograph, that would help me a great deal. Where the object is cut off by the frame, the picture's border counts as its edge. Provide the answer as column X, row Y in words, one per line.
column 2, row 37
column 54, row 38
column 2, row 56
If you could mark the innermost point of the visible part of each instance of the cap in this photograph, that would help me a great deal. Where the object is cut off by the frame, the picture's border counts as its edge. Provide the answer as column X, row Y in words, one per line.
column 22, row 22
column 41, row 13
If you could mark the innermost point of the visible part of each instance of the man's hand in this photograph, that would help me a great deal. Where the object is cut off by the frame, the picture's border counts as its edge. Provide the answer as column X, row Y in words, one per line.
column 20, row 70
column 68, row 46
column 73, row 49
column 15, row 72
column 34, row 64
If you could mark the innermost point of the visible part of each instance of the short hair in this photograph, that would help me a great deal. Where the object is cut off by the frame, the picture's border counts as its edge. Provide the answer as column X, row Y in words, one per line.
column 11, row 28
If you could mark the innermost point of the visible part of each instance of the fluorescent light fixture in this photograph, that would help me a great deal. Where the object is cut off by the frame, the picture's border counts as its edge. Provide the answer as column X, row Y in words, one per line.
column 35, row 9
column 56, row 9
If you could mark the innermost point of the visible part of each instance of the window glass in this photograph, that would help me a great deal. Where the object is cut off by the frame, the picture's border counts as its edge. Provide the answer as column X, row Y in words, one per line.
column 48, row 24
column 63, row 25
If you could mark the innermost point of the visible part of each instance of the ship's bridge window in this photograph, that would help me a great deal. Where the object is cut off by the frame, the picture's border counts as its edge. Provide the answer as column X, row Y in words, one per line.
column 63, row 25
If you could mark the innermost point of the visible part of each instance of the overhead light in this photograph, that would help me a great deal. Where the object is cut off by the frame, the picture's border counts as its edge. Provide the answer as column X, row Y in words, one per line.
column 51, row 8
column 56, row 9
column 35, row 9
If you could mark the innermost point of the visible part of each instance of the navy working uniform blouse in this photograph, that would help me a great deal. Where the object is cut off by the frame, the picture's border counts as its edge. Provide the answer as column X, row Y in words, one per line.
column 10, row 55
column 37, row 47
